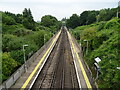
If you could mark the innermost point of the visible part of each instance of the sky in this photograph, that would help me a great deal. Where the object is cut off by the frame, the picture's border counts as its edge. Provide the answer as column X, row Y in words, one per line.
column 57, row 8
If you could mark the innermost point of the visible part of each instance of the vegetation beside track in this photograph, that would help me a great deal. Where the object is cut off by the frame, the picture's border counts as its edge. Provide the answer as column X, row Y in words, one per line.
column 102, row 38
column 100, row 29
column 20, row 29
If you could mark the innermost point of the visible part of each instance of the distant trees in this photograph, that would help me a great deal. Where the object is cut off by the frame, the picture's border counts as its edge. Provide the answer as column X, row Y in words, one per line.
column 8, row 20
column 28, row 20
column 73, row 21
column 48, row 21
column 107, row 14
column 17, row 17
column 89, row 17
column 85, row 18
column 51, row 22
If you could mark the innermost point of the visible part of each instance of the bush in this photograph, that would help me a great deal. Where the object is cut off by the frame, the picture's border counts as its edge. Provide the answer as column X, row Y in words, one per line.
column 10, row 28
column 9, row 65
column 15, row 44
column 17, row 55
column 5, row 41
column 22, row 32
column 88, row 33
column 101, row 26
column 112, row 23
column 8, row 20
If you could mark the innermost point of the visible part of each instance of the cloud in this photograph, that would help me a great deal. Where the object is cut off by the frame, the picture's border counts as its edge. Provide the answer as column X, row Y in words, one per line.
column 56, row 1
column 57, row 8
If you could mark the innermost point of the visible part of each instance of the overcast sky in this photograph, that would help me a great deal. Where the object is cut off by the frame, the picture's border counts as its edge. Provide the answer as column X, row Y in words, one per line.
column 57, row 8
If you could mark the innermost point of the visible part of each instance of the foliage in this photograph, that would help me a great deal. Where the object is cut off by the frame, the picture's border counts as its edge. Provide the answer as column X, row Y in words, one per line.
column 106, row 14
column 20, row 29
column 8, row 20
column 73, row 21
column 5, row 40
column 103, row 42
column 48, row 21
column 88, row 34
column 51, row 23
column 89, row 17
column 112, row 23
column 11, row 28
column 17, row 17
column 28, row 20
column 22, row 32
column 8, row 65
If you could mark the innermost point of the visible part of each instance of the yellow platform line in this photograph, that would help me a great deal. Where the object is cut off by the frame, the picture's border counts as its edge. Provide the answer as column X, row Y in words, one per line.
column 41, row 60
column 81, row 65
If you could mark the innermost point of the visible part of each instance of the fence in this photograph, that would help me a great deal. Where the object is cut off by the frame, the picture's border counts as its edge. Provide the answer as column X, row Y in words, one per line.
column 15, row 76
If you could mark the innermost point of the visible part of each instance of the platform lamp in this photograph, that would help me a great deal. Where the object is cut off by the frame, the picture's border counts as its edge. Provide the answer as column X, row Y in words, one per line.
column 24, row 56
column 118, row 10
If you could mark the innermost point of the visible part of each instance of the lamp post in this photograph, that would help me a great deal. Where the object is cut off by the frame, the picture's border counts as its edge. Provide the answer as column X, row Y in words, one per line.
column 24, row 56
column 87, row 46
column 117, row 9
column 44, row 38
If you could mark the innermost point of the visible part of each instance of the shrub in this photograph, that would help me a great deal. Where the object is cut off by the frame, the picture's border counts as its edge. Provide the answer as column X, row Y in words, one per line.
column 9, row 65
column 8, row 20
column 111, row 24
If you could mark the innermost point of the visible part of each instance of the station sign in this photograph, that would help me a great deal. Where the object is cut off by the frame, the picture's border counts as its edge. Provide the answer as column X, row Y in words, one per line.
column 97, row 59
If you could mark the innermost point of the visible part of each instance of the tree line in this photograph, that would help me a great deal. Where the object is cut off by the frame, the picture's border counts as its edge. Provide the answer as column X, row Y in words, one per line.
column 89, row 17
column 26, row 19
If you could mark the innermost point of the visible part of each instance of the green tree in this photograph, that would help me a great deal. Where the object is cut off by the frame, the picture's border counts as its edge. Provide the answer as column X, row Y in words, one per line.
column 19, row 18
column 9, row 65
column 83, row 18
column 28, row 20
column 5, row 42
column 88, row 17
column 91, row 17
column 102, row 14
column 73, row 21
column 8, row 20
column 49, row 21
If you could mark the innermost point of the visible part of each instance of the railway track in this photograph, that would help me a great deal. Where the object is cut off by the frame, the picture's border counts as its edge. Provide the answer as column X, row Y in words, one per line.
column 59, row 70
column 59, row 66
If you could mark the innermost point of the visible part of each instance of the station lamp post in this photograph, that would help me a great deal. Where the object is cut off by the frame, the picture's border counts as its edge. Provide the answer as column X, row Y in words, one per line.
column 24, row 56
column 87, row 46
column 118, row 10
column 44, row 38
